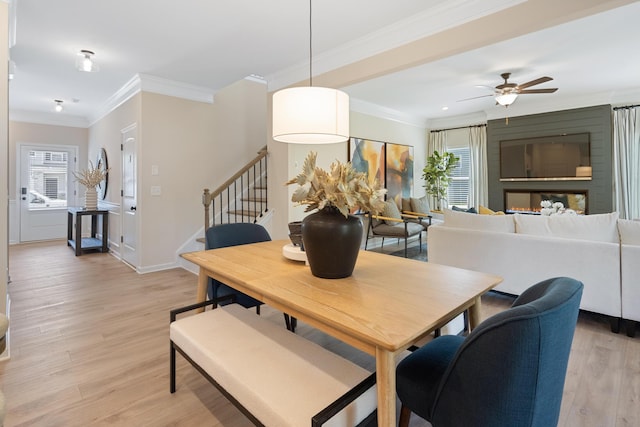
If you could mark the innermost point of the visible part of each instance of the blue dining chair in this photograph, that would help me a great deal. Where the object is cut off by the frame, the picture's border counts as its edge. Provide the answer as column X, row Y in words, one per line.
column 225, row 235
column 509, row 371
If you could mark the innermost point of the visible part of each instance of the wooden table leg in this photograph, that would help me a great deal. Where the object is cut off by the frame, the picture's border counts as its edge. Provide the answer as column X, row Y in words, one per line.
column 474, row 314
column 201, row 292
column 386, row 383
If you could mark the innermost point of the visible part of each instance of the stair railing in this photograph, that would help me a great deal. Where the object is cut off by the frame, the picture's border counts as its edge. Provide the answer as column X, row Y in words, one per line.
column 241, row 198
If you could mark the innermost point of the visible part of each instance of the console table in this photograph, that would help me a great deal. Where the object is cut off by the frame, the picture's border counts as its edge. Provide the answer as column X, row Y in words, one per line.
column 80, row 244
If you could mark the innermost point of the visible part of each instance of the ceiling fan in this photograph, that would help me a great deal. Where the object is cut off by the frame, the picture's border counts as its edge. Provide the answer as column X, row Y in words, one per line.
column 506, row 93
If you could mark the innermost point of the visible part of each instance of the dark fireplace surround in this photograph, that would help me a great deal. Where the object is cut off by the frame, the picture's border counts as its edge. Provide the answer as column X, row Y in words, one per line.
column 528, row 201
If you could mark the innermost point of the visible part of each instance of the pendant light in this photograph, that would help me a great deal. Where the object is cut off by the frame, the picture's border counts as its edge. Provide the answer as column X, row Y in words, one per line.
column 310, row 115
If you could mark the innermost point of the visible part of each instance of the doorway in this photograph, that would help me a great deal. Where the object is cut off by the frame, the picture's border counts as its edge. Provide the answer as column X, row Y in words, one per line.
column 46, row 189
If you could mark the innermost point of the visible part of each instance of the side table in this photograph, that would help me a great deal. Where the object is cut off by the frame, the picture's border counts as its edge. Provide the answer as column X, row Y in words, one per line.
column 80, row 244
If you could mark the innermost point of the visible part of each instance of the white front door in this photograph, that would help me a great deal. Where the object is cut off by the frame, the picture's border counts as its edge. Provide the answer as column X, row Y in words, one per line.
column 46, row 188
column 129, row 241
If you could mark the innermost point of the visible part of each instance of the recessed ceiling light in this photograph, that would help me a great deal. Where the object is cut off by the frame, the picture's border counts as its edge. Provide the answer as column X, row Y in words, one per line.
column 445, row 108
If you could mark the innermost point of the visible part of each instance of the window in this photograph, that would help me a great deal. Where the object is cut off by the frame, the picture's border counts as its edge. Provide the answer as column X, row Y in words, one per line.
column 458, row 192
column 48, row 178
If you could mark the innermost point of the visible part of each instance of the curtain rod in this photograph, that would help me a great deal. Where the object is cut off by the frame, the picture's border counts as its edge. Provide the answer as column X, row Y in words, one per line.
column 461, row 127
column 626, row 107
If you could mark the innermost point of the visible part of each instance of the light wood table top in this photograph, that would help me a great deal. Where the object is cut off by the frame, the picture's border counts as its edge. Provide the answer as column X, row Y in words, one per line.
column 387, row 305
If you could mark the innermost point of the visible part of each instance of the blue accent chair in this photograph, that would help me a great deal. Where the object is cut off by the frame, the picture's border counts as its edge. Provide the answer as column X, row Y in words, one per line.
column 509, row 371
column 225, row 235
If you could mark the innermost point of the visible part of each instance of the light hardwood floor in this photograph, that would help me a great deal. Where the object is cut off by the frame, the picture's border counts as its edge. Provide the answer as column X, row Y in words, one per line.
column 90, row 346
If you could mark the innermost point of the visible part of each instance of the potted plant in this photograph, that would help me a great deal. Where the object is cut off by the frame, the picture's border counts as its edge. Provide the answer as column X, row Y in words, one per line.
column 332, row 236
column 437, row 175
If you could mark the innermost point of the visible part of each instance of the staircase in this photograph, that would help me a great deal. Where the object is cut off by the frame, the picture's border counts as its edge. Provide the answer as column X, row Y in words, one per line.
column 242, row 198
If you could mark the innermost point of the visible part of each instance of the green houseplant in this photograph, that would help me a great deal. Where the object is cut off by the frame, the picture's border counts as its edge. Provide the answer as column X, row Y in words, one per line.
column 332, row 236
column 437, row 175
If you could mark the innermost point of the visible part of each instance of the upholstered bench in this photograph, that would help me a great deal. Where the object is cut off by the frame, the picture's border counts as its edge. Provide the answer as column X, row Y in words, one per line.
column 275, row 377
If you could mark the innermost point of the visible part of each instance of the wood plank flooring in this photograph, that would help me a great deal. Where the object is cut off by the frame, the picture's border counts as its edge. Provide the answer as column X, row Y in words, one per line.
column 89, row 347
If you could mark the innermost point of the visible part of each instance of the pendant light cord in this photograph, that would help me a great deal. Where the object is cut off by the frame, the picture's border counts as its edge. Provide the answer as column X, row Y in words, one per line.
column 310, row 48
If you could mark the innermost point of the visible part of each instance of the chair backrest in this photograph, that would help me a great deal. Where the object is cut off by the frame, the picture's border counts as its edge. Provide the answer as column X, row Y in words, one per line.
column 224, row 235
column 510, row 371
column 242, row 233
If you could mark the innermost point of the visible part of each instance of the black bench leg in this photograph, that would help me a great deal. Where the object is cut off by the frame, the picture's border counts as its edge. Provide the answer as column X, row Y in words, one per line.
column 291, row 322
column 615, row 325
column 172, row 369
column 631, row 328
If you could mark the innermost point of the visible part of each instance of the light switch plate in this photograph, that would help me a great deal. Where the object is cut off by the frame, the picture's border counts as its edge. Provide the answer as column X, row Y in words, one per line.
column 156, row 190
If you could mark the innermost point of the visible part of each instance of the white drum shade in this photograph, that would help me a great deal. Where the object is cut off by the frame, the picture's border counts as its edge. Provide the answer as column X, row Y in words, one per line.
column 310, row 115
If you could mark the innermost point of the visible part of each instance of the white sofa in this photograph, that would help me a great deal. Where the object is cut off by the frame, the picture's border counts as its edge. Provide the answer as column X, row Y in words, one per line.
column 525, row 249
column 630, row 271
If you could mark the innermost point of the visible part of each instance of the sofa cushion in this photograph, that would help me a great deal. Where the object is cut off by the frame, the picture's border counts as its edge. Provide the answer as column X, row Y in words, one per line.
column 470, row 210
column 629, row 232
column 391, row 210
column 496, row 223
column 600, row 227
column 420, row 205
column 486, row 211
column 406, row 204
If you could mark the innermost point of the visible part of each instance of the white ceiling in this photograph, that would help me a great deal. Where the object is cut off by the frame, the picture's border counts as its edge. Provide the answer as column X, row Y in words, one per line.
column 207, row 45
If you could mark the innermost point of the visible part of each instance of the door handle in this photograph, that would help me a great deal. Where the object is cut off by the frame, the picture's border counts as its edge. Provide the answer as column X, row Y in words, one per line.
column 133, row 208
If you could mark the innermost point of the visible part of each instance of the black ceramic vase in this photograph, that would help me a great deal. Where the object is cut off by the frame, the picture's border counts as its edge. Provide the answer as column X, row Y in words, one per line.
column 331, row 242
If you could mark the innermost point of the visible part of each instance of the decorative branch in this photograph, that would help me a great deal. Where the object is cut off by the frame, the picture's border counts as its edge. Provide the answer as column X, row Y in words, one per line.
column 91, row 177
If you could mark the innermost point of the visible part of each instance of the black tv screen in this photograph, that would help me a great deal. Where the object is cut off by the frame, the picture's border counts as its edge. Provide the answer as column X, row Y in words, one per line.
column 547, row 158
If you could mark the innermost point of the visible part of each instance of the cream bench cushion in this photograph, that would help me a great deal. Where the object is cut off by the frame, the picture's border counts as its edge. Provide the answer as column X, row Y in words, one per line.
column 279, row 377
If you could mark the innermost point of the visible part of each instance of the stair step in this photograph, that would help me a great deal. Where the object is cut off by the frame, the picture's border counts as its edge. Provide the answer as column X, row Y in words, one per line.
column 248, row 213
column 255, row 199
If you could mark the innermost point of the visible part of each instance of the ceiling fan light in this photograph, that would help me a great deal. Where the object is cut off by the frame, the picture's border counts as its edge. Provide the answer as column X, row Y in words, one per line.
column 310, row 115
column 85, row 62
column 58, row 107
column 506, row 99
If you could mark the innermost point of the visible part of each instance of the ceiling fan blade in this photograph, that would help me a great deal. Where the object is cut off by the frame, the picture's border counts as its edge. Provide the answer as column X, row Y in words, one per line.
column 535, row 82
column 475, row 97
column 550, row 90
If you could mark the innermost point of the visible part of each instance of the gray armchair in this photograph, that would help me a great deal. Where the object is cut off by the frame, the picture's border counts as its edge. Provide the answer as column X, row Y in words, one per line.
column 394, row 224
column 509, row 371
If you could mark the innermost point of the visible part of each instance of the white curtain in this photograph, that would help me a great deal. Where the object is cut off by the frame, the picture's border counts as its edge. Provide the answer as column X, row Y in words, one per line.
column 478, row 176
column 437, row 142
column 626, row 161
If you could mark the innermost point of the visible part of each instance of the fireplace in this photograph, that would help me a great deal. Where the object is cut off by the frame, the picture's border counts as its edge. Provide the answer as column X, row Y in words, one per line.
column 528, row 201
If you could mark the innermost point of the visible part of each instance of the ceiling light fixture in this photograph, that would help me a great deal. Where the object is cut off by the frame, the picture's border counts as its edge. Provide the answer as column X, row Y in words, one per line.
column 85, row 62
column 506, row 99
column 310, row 115
column 58, row 106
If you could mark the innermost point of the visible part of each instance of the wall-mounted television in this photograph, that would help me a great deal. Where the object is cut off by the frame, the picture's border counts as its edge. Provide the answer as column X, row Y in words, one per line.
column 564, row 157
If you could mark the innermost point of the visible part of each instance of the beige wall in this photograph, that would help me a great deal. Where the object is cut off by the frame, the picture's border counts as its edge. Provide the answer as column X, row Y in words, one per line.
column 194, row 146
column 287, row 159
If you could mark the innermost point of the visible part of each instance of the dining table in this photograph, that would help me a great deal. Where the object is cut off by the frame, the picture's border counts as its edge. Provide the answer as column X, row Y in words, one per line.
column 387, row 305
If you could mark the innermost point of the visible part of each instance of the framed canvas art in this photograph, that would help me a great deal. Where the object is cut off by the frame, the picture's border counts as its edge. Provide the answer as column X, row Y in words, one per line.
column 399, row 172
column 369, row 157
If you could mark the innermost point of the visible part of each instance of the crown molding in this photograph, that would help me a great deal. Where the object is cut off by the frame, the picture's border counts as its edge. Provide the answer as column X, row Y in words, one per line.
column 153, row 84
